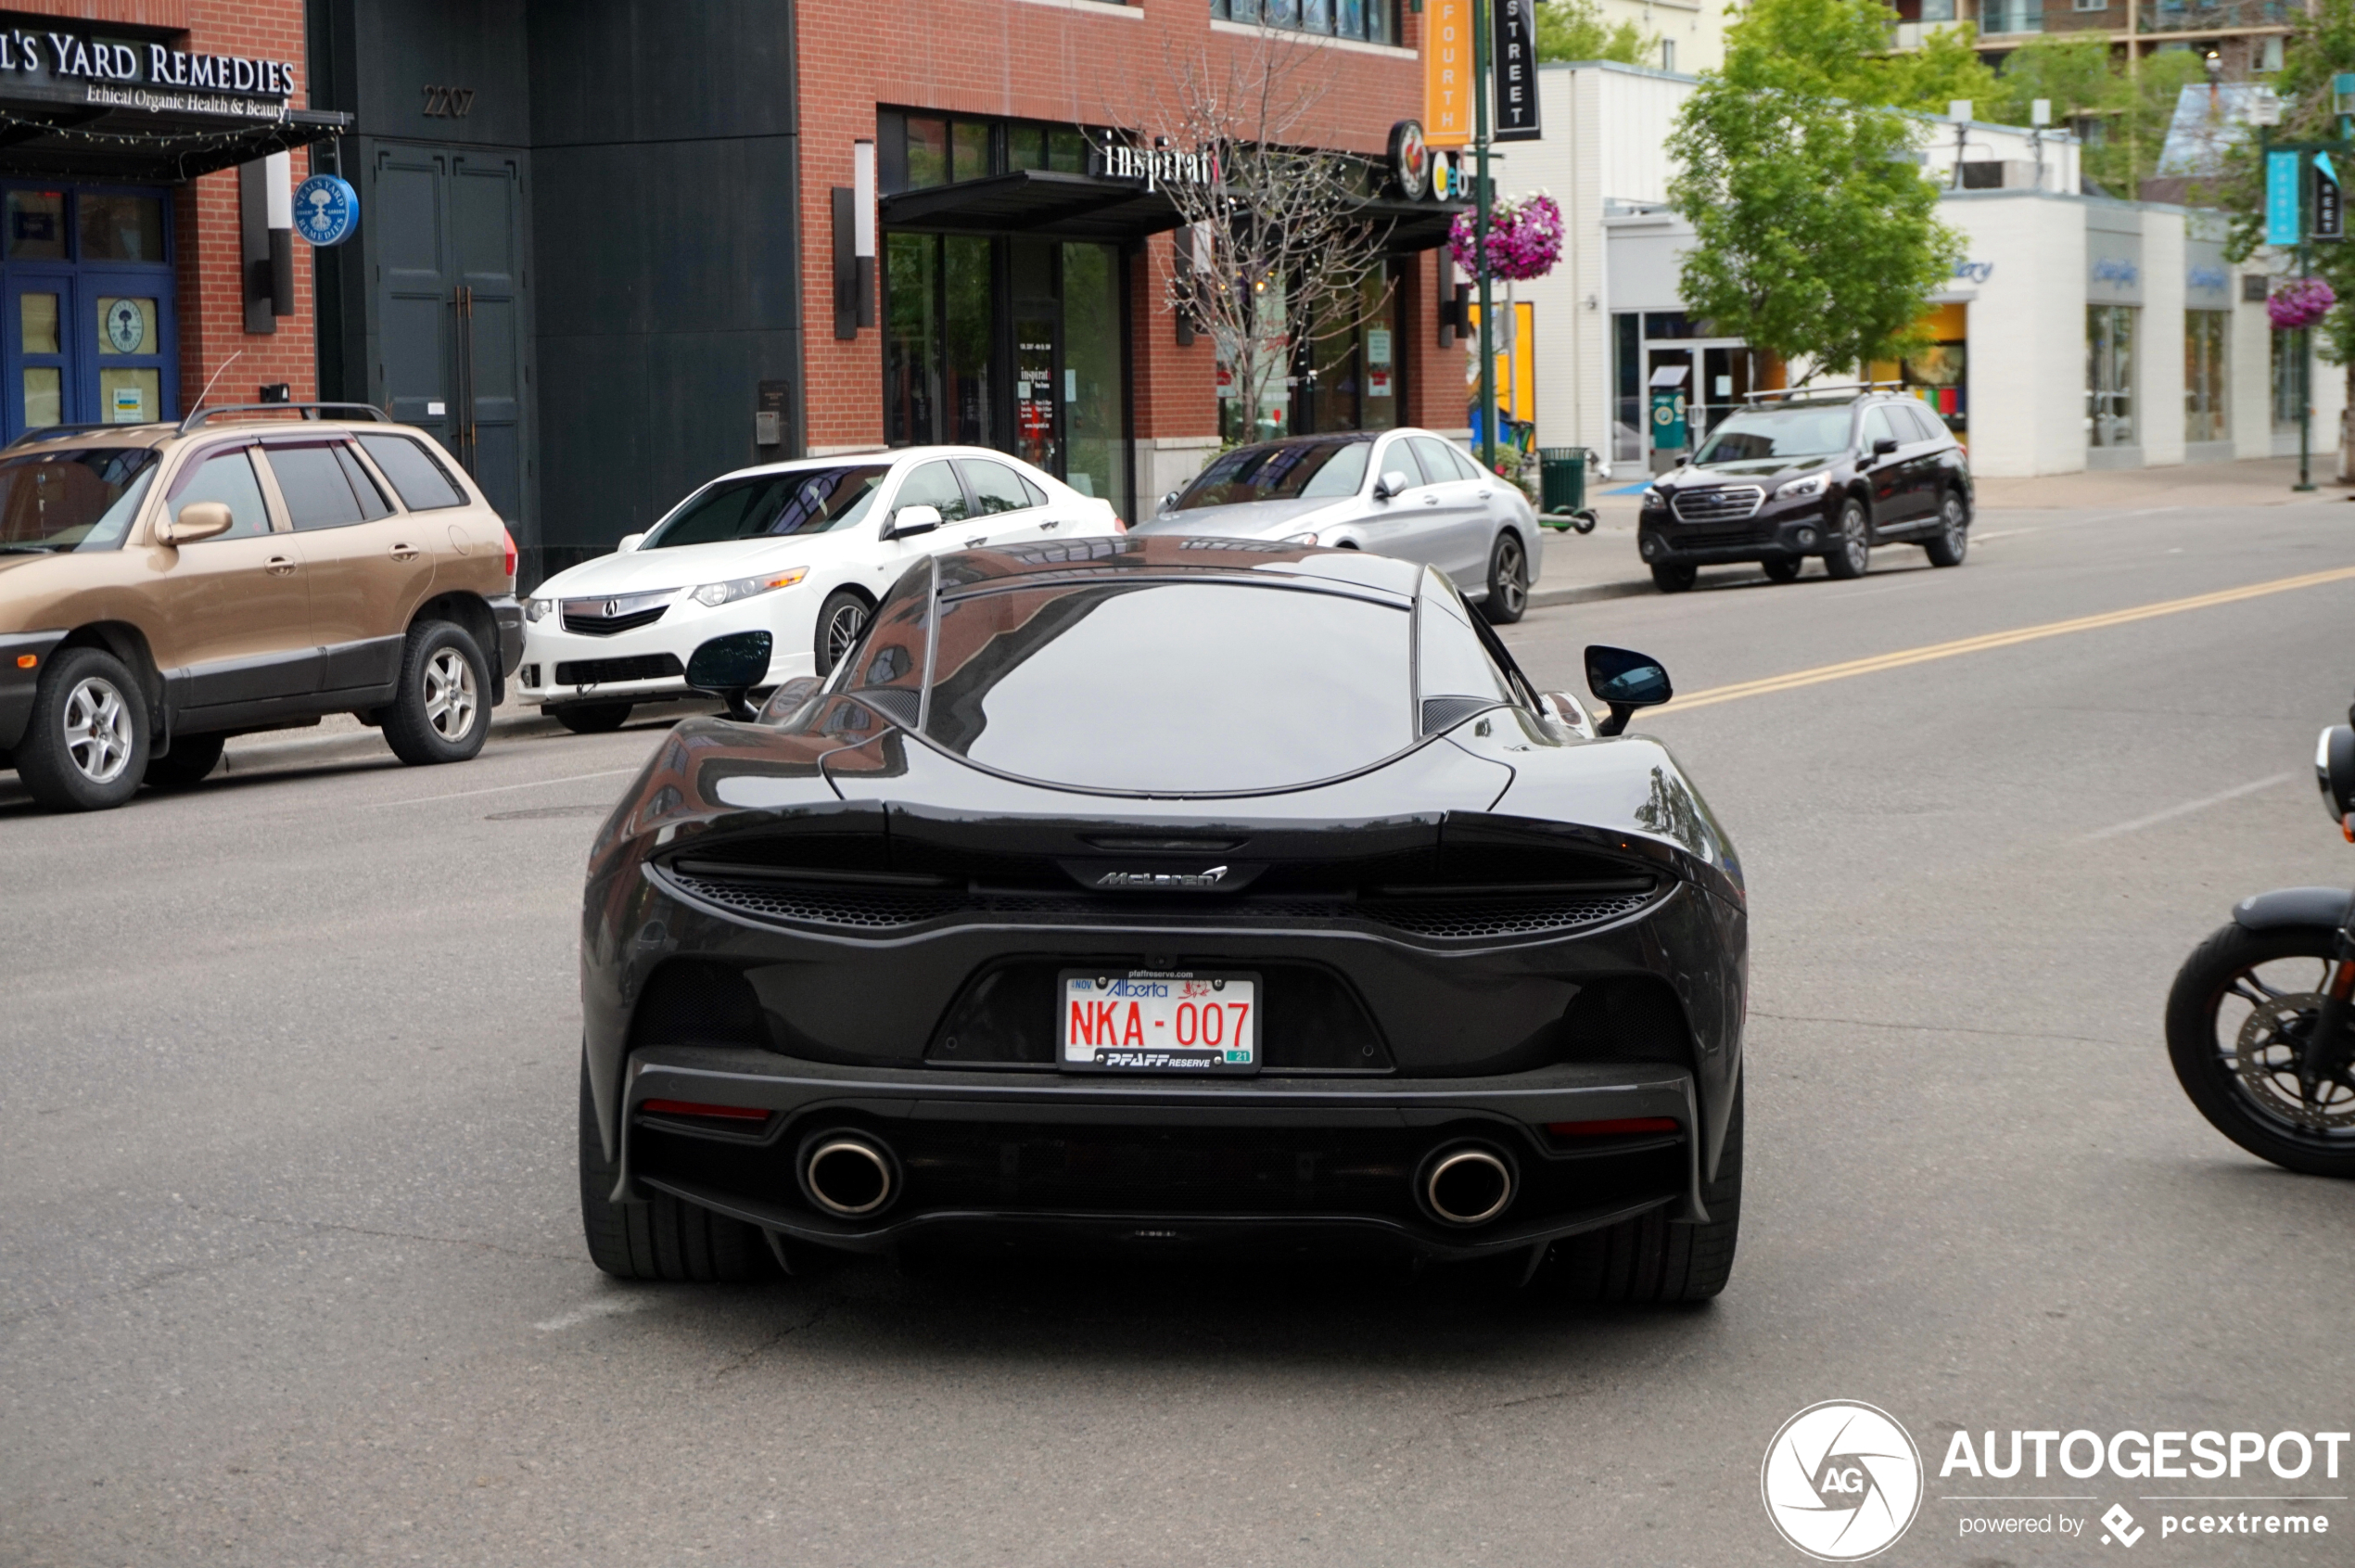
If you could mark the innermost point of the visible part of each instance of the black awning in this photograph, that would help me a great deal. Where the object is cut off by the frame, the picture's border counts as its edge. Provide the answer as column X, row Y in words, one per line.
column 1055, row 205
column 46, row 138
column 1046, row 202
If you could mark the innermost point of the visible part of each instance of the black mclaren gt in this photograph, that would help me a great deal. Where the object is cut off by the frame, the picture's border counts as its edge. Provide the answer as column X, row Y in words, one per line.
column 1163, row 895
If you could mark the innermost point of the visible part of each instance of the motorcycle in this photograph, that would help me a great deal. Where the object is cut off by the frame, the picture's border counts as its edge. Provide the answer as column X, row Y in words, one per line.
column 2260, row 1021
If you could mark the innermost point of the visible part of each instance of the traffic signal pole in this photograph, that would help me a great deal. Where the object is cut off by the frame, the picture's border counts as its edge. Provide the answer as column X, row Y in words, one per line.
column 1480, row 232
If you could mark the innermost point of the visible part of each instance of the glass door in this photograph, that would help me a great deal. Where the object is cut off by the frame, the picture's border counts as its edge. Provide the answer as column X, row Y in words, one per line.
column 40, row 370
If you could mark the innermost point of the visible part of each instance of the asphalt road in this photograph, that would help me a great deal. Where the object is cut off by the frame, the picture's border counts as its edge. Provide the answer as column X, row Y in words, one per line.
column 290, row 1270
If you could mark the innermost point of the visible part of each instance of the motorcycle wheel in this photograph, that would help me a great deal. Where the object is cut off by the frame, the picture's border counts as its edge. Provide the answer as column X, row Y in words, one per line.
column 2237, row 1018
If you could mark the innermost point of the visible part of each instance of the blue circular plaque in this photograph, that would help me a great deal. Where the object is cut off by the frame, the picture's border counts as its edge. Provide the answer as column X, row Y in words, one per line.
column 325, row 210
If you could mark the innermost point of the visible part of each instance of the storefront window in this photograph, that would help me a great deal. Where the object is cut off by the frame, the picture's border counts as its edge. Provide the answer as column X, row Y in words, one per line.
column 1097, row 455
column 2207, row 408
column 2109, row 376
column 936, row 336
column 36, row 226
column 1627, row 387
column 117, row 227
column 2289, row 384
column 1352, row 379
column 911, row 328
column 927, row 153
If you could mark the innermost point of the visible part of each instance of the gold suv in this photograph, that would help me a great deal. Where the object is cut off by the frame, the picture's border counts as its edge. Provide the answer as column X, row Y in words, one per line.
column 163, row 587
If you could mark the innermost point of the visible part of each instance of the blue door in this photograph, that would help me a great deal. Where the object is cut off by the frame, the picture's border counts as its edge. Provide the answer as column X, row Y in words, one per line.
column 43, row 387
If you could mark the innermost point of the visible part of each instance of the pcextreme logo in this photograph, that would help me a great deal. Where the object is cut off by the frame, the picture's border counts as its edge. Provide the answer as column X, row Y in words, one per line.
column 1841, row 1481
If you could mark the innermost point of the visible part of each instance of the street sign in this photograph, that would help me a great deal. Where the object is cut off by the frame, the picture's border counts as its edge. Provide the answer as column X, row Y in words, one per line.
column 1514, row 48
column 2282, row 224
column 2330, row 213
column 325, row 210
column 1448, row 81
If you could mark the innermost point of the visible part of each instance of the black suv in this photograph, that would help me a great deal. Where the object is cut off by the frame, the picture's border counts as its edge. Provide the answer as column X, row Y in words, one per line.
column 1827, row 471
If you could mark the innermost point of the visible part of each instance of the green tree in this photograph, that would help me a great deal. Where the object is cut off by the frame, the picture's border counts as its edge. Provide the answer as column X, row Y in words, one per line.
column 1814, row 233
column 1574, row 30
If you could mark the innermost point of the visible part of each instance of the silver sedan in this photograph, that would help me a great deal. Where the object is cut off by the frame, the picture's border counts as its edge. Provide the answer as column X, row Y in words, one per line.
column 1407, row 493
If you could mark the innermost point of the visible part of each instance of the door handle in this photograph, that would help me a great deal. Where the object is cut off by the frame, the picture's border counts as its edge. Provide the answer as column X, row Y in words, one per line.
column 404, row 552
column 1050, row 525
column 1483, row 495
column 977, row 542
column 279, row 565
column 1430, row 501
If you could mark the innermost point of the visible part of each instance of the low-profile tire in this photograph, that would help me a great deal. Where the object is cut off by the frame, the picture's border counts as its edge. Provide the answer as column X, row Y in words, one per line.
column 1507, row 580
column 1952, row 542
column 443, row 711
column 1782, row 568
column 1852, row 543
column 842, row 619
column 1647, row 1260
column 2215, row 1086
column 662, row 1240
column 591, row 717
column 189, row 762
column 86, row 742
column 1673, row 577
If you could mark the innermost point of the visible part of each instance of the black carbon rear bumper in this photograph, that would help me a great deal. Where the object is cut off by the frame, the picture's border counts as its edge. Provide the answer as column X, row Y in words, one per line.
column 993, row 1156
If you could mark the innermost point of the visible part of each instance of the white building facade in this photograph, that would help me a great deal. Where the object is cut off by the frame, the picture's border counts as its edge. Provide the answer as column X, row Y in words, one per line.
column 2078, row 331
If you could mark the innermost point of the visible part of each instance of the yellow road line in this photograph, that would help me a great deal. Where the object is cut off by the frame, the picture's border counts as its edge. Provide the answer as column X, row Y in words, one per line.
column 1903, row 656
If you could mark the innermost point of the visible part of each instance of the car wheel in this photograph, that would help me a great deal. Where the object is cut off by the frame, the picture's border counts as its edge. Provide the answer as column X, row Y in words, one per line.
column 86, row 742
column 591, row 718
column 440, row 714
column 191, row 759
column 1852, row 543
column 1782, row 568
column 1507, row 580
column 841, row 621
column 1649, row 1260
column 664, row 1238
column 1952, row 540
column 1671, row 578
column 2237, row 1019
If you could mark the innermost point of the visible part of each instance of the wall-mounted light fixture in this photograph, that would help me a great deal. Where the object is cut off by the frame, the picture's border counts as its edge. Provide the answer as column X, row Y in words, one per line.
column 855, row 244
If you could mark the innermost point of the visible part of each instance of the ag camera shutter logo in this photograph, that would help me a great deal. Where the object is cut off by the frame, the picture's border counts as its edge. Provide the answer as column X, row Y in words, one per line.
column 1842, row 1481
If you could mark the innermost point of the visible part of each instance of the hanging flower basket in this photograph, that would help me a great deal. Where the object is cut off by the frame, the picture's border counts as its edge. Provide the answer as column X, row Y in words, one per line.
column 1524, row 238
column 2301, row 302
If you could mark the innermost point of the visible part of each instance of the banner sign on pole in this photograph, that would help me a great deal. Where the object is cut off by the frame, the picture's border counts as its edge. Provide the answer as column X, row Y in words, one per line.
column 1514, row 40
column 2330, row 210
column 1447, row 73
column 2282, row 224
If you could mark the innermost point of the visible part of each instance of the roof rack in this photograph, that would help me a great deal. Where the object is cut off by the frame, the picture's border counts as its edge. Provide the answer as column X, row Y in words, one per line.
column 59, row 432
column 1853, row 388
column 308, row 410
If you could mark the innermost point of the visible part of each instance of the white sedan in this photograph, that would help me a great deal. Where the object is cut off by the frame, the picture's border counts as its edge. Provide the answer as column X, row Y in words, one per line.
column 802, row 551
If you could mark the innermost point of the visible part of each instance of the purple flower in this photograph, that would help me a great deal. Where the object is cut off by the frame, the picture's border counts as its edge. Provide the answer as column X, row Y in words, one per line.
column 1524, row 238
column 2301, row 302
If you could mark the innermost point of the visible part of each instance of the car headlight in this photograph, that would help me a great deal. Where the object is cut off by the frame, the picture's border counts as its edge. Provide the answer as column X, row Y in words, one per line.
column 1813, row 484
column 1300, row 539
column 535, row 609
column 713, row 594
column 1653, row 496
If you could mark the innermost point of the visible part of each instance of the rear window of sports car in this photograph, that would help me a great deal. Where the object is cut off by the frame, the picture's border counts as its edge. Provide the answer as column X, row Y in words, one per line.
column 1171, row 687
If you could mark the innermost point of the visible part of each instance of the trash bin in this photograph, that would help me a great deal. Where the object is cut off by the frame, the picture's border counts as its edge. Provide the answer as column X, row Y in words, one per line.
column 1561, row 487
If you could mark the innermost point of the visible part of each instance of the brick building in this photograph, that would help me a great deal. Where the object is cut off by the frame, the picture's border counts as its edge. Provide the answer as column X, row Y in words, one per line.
column 146, row 151
column 599, row 245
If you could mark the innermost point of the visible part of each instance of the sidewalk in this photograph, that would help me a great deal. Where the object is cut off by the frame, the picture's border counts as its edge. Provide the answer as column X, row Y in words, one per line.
column 1603, row 565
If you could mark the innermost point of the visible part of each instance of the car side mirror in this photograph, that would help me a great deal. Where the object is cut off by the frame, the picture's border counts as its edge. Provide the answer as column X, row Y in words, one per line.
column 1169, row 502
column 2335, row 771
column 630, row 541
column 910, row 521
column 1392, row 482
column 198, row 520
column 729, row 668
column 789, row 699
column 1683, row 458
column 1884, row 446
column 1626, row 681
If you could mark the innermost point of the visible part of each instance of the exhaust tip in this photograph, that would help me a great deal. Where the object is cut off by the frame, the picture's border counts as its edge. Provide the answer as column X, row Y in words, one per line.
column 1469, row 1184
column 848, row 1175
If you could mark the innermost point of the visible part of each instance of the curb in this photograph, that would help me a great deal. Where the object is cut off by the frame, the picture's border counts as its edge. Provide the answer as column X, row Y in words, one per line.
column 1587, row 592
column 341, row 744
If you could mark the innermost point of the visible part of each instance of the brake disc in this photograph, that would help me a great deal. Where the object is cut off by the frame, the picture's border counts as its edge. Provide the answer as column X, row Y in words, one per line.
column 2265, row 1060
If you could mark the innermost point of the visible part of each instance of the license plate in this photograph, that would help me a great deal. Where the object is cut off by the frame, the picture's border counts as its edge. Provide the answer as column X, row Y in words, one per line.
column 1159, row 1021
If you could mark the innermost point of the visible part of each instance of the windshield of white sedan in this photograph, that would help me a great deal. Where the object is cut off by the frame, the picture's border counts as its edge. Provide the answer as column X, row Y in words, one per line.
column 772, row 505
column 1171, row 687
column 1754, row 434
column 1288, row 471
column 54, row 501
